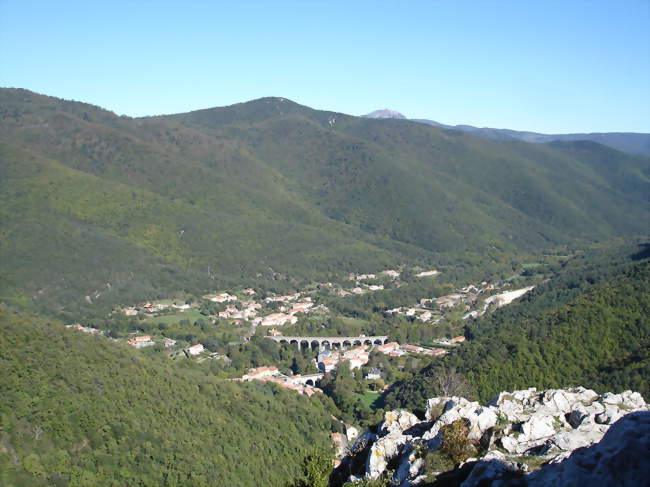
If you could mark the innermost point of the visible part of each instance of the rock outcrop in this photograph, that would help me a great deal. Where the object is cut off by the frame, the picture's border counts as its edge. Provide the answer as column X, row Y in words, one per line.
column 554, row 437
column 621, row 457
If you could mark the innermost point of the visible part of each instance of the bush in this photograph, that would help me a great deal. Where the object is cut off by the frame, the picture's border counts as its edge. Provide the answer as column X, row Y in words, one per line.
column 455, row 441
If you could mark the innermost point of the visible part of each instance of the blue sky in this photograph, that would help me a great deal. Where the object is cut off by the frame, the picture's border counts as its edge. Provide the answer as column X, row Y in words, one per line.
column 549, row 66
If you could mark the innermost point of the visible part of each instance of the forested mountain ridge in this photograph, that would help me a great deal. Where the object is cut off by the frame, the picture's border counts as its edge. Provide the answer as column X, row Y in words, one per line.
column 631, row 142
column 588, row 326
column 80, row 410
column 97, row 207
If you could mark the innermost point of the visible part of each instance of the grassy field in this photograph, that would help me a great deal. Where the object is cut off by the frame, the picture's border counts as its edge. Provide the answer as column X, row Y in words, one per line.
column 369, row 399
column 191, row 315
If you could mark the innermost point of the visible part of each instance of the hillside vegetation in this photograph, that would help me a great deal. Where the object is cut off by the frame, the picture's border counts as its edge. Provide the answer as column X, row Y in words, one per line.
column 78, row 410
column 98, row 210
column 589, row 326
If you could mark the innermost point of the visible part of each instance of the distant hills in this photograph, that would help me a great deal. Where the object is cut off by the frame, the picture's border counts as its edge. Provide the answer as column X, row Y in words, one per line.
column 633, row 143
column 98, row 210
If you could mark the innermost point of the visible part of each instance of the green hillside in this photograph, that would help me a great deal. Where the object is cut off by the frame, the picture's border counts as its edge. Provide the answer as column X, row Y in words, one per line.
column 99, row 210
column 79, row 410
column 589, row 326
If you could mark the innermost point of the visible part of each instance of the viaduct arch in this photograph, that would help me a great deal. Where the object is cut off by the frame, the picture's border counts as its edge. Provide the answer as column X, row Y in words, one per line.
column 329, row 342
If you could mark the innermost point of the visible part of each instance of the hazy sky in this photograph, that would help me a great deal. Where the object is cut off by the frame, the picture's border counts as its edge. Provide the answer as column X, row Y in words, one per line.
column 549, row 66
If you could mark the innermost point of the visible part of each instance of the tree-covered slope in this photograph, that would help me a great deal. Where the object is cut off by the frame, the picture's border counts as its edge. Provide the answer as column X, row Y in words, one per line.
column 589, row 326
column 442, row 190
column 99, row 209
column 78, row 410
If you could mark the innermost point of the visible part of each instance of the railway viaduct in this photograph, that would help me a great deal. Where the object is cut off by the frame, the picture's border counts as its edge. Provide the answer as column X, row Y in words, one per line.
column 330, row 342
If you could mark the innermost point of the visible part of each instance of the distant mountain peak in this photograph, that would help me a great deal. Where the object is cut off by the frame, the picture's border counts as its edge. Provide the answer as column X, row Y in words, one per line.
column 385, row 113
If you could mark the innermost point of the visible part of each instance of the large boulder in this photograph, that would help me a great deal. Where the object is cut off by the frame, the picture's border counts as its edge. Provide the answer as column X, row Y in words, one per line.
column 489, row 470
column 539, row 426
column 621, row 458
column 578, row 438
column 480, row 418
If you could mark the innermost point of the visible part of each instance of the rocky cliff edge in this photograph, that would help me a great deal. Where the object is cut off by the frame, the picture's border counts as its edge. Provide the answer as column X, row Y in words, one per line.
column 528, row 437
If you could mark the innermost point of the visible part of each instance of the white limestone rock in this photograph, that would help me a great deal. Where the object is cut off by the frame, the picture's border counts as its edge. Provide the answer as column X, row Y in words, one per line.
column 633, row 400
column 578, row 438
column 537, row 427
column 494, row 455
column 383, row 451
column 351, row 432
column 553, row 423
column 397, row 421
column 480, row 418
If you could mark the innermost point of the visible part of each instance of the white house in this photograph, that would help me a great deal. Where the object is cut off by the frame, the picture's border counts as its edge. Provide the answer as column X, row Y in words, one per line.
column 195, row 349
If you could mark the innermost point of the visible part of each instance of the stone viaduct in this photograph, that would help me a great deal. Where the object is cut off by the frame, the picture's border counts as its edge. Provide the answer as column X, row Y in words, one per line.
column 330, row 342
column 305, row 380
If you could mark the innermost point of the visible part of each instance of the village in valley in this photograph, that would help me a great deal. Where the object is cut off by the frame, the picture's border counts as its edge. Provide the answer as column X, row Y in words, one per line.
column 297, row 321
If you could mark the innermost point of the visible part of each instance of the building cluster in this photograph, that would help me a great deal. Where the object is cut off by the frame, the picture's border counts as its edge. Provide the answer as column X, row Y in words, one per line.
column 362, row 277
column 141, row 341
column 433, row 309
column 329, row 359
column 282, row 299
column 223, row 298
column 276, row 319
column 393, row 274
column 290, row 382
column 249, row 310
column 394, row 349
column 150, row 308
column 451, row 341
column 85, row 329
column 362, row 287
column 421, row 312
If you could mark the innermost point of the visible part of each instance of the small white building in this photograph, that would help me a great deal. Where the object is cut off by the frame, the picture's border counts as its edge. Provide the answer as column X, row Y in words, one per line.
column 373, row 374
column 195, row 349
column 224, row 298
column 432, row 272
column 391, row 273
